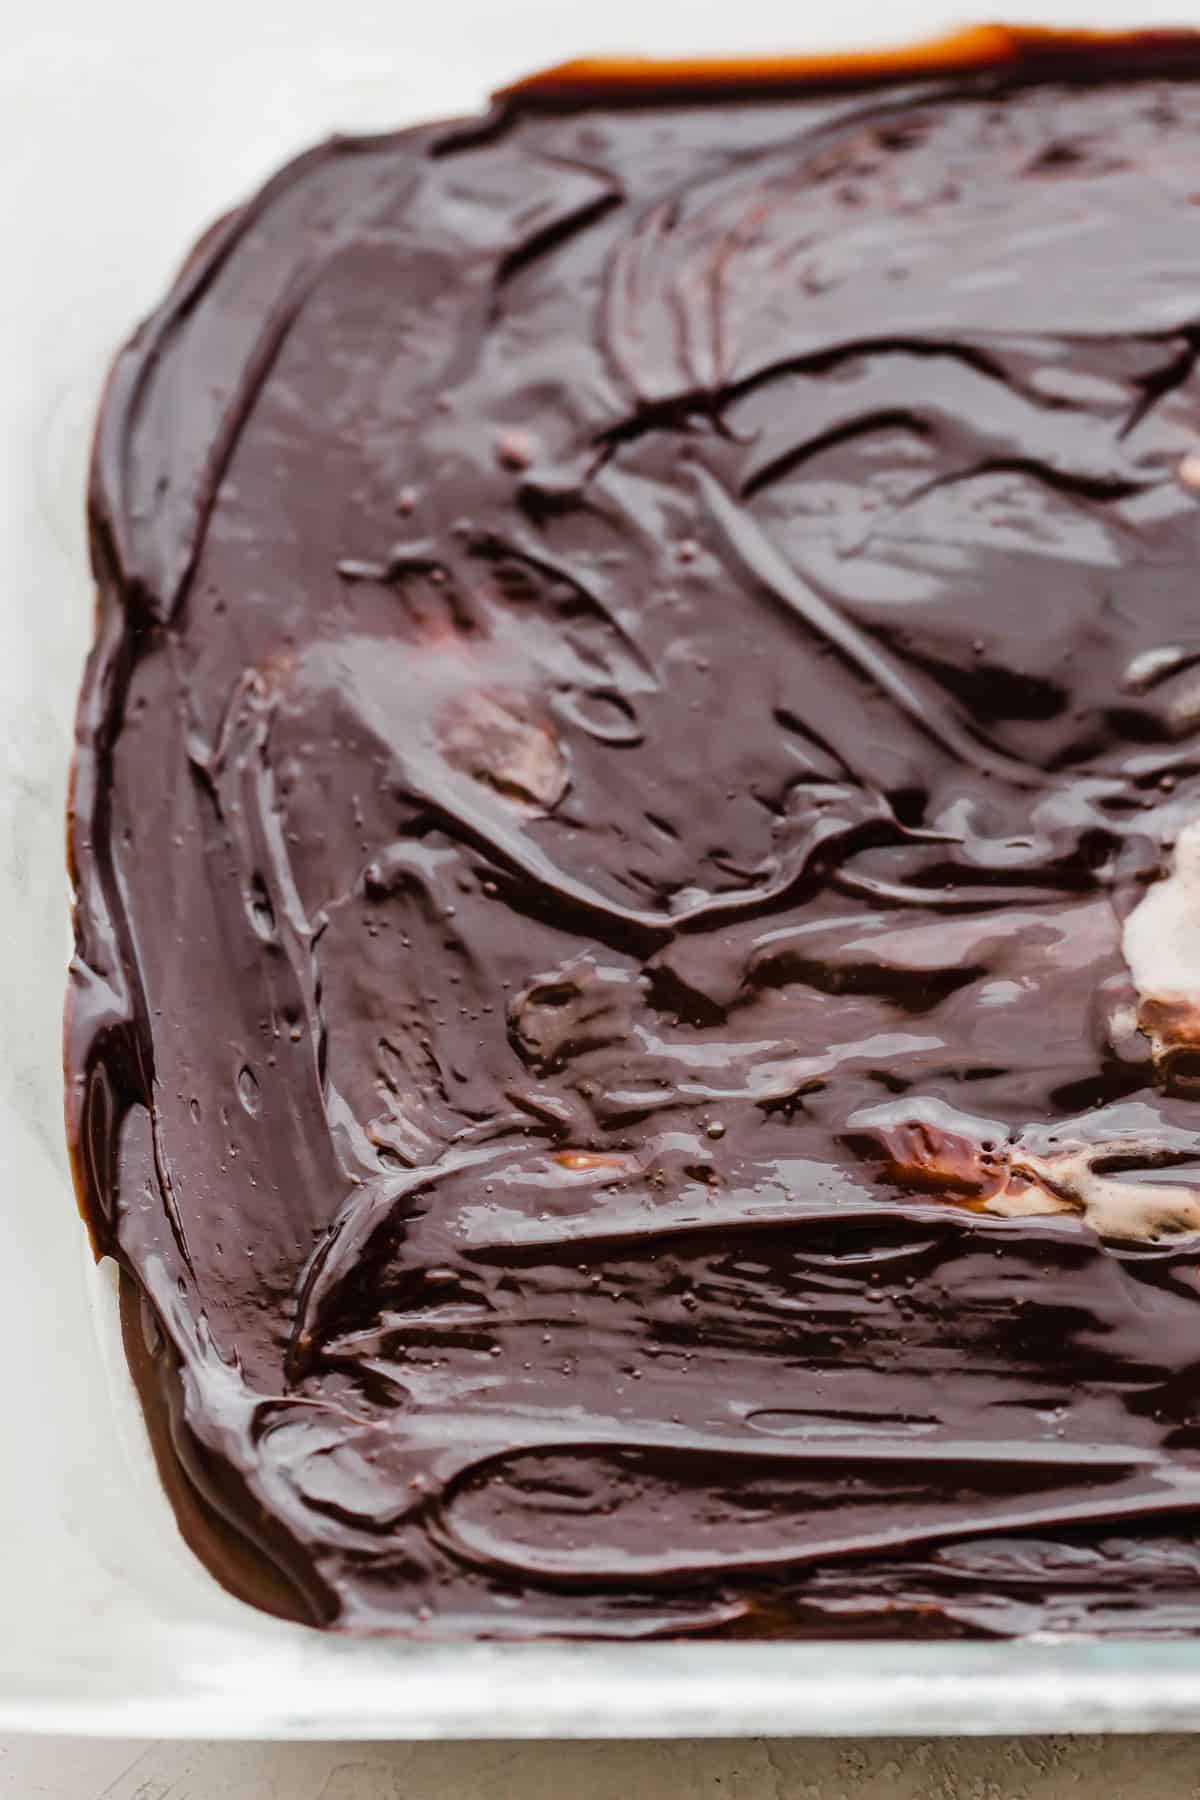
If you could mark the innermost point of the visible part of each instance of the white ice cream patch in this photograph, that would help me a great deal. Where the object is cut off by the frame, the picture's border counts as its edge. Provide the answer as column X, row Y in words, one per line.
column 1161, row 944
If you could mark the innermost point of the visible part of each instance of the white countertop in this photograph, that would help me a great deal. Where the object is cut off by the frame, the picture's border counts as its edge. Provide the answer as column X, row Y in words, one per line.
column 1043, row 1768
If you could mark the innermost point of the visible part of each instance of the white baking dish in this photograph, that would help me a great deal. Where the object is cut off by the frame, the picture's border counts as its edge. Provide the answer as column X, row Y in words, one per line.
column 123, row 130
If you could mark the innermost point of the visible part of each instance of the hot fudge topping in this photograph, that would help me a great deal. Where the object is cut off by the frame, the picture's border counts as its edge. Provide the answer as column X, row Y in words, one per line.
column 636, row 1024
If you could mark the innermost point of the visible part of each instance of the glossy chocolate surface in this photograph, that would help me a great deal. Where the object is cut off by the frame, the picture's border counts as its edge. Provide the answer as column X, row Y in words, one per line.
column 649, row 650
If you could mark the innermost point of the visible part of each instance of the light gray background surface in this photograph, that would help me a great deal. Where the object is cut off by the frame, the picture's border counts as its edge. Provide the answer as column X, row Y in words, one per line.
column 1046, row 1768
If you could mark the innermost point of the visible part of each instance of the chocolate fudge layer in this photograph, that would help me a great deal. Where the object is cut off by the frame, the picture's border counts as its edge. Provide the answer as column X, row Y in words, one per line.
column 636, row 1020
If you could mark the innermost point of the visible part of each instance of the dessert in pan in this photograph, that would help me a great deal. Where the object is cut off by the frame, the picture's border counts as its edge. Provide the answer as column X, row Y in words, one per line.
column 636, row 835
